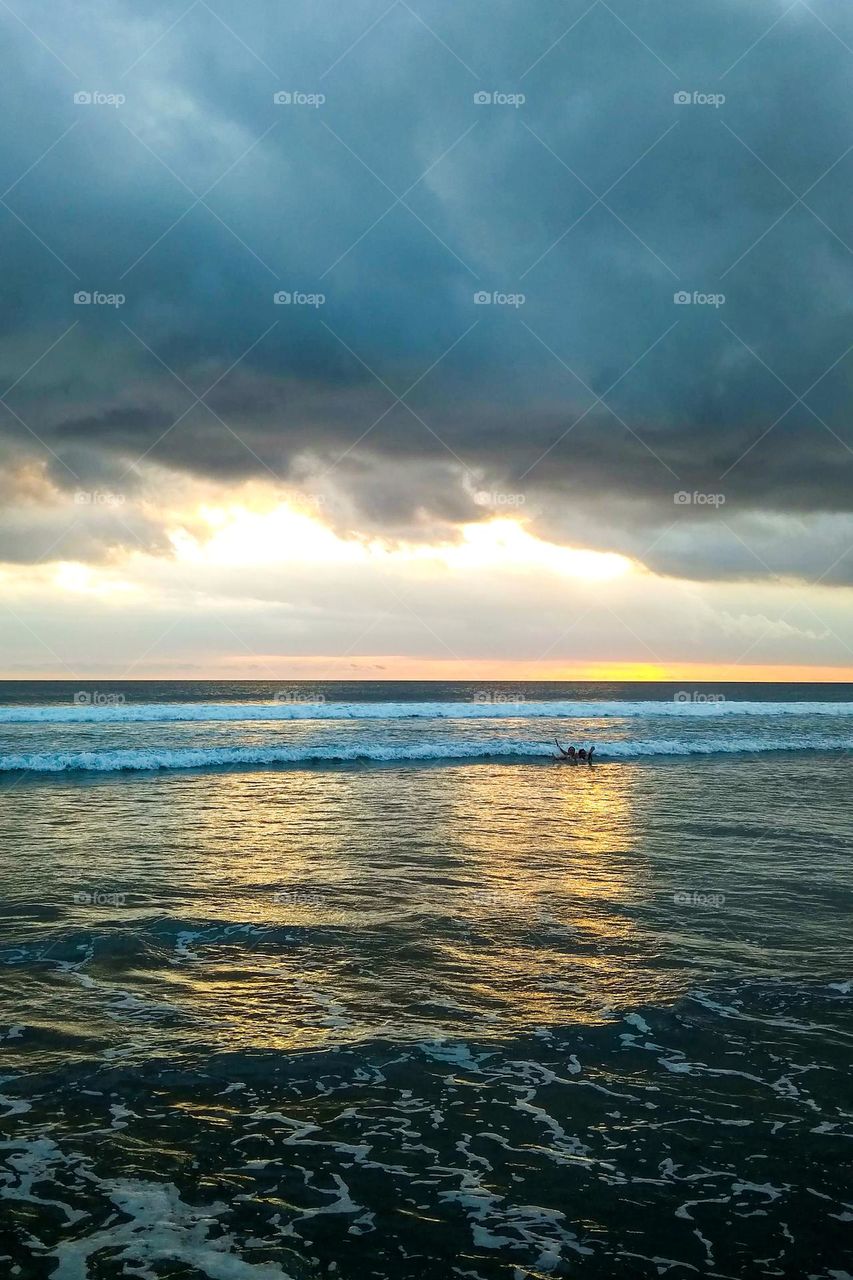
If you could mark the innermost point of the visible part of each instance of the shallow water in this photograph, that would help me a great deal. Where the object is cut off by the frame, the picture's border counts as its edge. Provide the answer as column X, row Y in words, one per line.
column 489, row 1017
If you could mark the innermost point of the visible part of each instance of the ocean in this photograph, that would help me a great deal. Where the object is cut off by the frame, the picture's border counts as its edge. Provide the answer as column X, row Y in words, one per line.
column 353, row 980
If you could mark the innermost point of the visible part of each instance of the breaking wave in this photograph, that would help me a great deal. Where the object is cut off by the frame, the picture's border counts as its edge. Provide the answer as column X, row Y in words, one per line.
column 153, row 712
column 509, row 750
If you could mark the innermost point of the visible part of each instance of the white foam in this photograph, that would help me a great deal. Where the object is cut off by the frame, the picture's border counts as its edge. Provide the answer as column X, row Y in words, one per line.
column 156, row 758
column 17, row 1106
column 162, row 1228
column 31, row 1163
column 151, row 712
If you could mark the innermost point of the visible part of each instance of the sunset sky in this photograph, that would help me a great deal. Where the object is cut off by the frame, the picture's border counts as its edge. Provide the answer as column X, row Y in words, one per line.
column 514, row 348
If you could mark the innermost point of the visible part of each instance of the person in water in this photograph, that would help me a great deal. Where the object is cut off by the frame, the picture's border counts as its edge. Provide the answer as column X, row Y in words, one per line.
column 574, row 756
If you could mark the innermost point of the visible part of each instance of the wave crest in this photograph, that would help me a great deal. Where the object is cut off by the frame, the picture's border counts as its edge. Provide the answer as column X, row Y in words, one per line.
column 155, row 712
column 160, row 758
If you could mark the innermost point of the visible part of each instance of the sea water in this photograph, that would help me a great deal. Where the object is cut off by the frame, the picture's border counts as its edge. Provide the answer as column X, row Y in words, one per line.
column 355, row 980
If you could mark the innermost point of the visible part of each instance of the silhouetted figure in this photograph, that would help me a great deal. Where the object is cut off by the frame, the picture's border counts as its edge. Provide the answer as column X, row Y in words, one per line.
column 573, row 756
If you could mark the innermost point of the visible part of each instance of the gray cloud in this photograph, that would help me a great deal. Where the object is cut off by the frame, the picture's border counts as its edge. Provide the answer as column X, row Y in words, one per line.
column 698, row 198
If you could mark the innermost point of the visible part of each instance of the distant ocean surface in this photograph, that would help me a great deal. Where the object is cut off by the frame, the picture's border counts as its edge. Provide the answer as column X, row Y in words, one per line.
column 53, row 727
column 353, row 980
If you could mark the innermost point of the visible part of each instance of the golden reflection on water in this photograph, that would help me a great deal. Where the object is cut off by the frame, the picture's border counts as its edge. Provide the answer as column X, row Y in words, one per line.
column 302, row 908
column 554, row 854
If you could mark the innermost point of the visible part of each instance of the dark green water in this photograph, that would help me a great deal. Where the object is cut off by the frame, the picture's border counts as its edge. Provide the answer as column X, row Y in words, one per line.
column 426, row 1016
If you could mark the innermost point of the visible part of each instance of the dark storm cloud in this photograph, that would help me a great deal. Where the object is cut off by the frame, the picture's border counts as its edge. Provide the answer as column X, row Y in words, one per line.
column 695, row 198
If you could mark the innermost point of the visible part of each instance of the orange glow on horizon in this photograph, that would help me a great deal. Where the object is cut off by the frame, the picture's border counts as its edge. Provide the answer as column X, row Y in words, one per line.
column 275, row 667
column 438, row 669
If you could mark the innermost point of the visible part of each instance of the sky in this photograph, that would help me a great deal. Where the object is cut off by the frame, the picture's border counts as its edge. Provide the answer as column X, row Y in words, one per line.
column 495, row 339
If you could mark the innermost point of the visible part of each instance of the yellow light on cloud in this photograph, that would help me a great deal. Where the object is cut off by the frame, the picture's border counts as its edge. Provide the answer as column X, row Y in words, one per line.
column 240, row 537
column 81, row 579
column 506, row 544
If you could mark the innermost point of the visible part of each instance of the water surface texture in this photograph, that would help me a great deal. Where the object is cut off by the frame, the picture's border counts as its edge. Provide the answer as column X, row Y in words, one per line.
column 354, row 981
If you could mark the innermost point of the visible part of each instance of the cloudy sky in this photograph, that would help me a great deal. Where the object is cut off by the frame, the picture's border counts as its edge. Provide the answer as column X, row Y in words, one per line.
column 492, row 338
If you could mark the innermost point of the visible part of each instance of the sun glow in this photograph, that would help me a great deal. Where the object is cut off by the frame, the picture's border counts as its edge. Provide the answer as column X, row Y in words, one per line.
column 237, row 536
column 506, row 544
column 82, row 579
